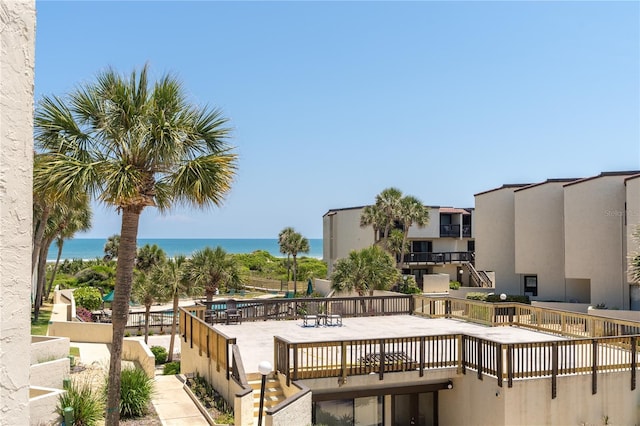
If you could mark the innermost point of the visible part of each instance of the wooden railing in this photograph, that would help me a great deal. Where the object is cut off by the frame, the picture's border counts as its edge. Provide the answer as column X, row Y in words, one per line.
column 563, row 323
column 282, row 309
column 215, row 344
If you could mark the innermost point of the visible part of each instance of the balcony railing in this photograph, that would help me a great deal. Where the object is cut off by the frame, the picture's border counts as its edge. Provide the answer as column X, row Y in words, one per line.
column 453, row 230
column 438, row 257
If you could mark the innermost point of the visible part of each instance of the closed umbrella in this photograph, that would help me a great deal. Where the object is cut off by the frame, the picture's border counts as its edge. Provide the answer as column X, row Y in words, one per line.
column 309, row 287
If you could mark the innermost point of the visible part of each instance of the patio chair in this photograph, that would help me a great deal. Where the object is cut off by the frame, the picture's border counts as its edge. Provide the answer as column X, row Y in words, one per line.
column 310, row 318
column 232, row 313
column 334, row 317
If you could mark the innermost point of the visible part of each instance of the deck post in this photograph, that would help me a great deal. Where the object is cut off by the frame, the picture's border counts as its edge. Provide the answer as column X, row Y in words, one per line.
column 554, row 369
column 634, row 362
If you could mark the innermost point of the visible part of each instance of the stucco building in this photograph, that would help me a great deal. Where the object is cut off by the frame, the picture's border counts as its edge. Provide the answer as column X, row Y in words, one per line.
column 562, row 239
column 439, row 252
column 17, row 41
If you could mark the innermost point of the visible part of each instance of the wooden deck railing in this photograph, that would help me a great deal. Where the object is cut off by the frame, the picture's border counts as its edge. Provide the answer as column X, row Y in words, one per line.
column 287, row 309
column 197, row 333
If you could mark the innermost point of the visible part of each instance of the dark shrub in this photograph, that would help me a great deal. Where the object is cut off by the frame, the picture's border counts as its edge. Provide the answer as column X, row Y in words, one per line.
column 160, row 352
column 171, row 368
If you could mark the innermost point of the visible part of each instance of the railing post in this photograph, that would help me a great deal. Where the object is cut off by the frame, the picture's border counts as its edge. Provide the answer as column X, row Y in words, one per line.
column 510, row 365
column 422, row 349
column 382, row 359
column 594, row 368
column 447, row 308
column 462, row 341
column 295, row 362
column 479, row 357
column 554, row 369
column 634, row 362
column 343, row 361
column 499, row 349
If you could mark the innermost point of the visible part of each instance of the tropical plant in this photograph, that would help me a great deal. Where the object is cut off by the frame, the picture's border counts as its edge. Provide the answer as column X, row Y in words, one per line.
column 171, row 368
column 364, row 271
column 372, row 215
column 160, row 354
column 147, row 290
column 171, row 273
column 283, row 238
column 88, row 297
column 212, row 269
column 88, row 406
column 133, row 145
column 135, row 393
column 111, row 247
column 292, row 243
column 411, row 212
column 149, row 256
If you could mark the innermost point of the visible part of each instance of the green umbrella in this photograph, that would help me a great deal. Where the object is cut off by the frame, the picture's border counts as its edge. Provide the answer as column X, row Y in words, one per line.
column 108, row 297
column 309, row 287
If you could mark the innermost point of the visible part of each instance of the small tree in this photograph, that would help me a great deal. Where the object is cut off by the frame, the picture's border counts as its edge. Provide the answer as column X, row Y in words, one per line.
column 111, row 247
column 147, row 291
column 88, row 297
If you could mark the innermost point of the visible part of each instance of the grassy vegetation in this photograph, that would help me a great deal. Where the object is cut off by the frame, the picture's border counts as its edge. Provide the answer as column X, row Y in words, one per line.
column 39, row 328
column 74, row 351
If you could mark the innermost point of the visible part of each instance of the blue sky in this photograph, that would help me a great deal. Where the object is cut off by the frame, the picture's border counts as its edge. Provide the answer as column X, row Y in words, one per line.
column 332, row 102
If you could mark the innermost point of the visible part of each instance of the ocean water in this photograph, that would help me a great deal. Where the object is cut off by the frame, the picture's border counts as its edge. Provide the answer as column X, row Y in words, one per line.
column 91, row 248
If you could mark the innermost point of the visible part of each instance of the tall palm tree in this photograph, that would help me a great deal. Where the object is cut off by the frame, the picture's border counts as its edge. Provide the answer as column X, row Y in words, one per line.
column 296, row 244
column 132, row 144
column 77, row 219
column 388, row 202
column 364, row 271
column 411, row 212
column 372, row 215
column 172, row 274
column 283, row 238
column 211, row 269
column 148, row 289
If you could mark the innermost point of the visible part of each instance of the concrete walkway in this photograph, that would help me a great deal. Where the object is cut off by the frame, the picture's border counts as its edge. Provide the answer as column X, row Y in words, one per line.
column 171, row 401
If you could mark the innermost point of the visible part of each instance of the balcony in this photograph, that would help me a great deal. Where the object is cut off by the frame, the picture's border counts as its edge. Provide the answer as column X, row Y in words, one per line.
column 438, row 257
column 453, row 231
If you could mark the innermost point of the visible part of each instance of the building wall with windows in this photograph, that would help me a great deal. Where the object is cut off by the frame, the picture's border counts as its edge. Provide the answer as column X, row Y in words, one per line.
column 17, row 50
column 539, row 240
column 342, row 233
column 562, row 239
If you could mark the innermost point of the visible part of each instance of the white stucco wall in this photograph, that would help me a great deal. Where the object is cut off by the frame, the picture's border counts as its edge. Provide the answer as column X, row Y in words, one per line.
column 17, row 48
column 342, row 234
column 633, row 214
column 594, row 235
column 495, row 238
column 539, row 238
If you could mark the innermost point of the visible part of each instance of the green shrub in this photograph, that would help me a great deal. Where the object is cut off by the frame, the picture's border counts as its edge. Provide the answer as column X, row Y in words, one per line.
column 88, row 406
column 171, row 368
column 136, row 390
column 477, row 296
column 160, row 352
column 454, row 285
column 88, row 297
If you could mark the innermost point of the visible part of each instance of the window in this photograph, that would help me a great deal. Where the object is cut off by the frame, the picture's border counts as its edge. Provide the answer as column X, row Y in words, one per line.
column 531, row 285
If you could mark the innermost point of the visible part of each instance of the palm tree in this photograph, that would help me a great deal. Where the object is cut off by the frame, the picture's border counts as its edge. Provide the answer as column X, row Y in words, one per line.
column 132, row 145
column 77, row 219
column 396, row 245
column 283, row 238
column 364, row 271
column 388, row 202
column 292, row 243
column 172, row 274
column 147, row 290
column 372, row 215
column 149, row 256
column 111, row 247
column 411, row 212
column 211, row 269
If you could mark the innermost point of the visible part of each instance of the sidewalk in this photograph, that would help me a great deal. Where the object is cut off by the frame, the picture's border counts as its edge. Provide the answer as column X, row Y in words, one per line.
column 171, row 402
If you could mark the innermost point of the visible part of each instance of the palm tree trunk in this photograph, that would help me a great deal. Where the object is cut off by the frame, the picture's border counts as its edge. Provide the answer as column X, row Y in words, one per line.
column 55, row 267
column 120, row 307
column 288, row 270
column 174, row 326
column 404, row 243
column 147, row 311
column 295, row 276
column 38, row 236
column 41, row 277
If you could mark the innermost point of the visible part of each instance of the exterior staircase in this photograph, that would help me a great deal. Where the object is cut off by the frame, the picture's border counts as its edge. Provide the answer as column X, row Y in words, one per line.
column 273, row 394
column 478, row 278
